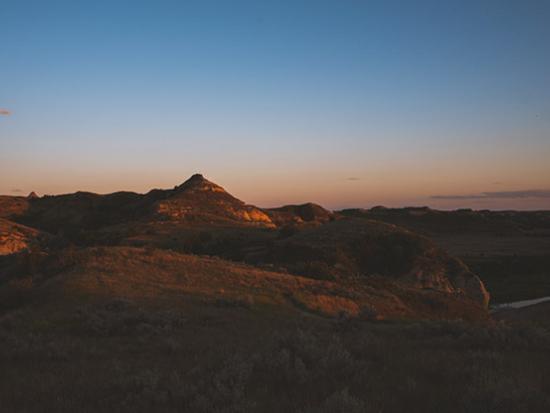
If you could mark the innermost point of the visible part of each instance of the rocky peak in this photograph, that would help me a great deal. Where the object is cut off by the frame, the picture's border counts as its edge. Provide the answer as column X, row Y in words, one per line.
column 197, row 182
column 198, row 200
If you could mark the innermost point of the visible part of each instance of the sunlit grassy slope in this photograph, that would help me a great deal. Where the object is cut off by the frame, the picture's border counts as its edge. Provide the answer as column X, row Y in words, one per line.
column 161, row 276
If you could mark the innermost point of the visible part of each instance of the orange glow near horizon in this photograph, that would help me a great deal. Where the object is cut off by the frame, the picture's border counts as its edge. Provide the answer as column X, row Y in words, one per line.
column 391, row 187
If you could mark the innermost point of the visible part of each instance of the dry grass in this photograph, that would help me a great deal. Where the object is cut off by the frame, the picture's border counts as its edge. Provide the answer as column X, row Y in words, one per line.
column 121, row 356
column 170, row 279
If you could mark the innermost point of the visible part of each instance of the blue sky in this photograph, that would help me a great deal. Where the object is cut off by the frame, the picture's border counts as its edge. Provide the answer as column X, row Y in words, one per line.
column 431, row 102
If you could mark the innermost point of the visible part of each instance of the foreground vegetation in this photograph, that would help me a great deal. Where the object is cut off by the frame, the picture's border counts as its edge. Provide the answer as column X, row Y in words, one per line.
column 121, row 356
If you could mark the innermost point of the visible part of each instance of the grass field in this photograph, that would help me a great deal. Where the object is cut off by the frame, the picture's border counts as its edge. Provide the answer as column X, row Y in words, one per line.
column 120, row 356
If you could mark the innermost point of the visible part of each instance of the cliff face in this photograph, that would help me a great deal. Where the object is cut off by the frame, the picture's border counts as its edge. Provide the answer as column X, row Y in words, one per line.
column 464, row 280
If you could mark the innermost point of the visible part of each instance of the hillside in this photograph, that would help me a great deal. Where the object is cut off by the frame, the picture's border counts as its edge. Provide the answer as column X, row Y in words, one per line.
column 198, row 200
column 349, row 248
column 16, row 238
column 509, row 250
column 299, row 214
column 188, row 299
column 13, row 206
column 176, row 280
column 200, row 217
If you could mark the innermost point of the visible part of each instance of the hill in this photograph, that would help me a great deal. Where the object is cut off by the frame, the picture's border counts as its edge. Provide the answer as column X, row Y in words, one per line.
column 166, row 278
column 509, row 250
column 13, row 206
column 140, row 329
column 198, row 200
column 350, row 248
column 200, row 217
column 188, row 299
column 300, row 214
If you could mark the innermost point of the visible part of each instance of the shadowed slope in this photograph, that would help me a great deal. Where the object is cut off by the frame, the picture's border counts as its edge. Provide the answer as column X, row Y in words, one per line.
column 509, row 250
column 300, row 214
column 356, row 248
column 167, row 278
column 13, row 206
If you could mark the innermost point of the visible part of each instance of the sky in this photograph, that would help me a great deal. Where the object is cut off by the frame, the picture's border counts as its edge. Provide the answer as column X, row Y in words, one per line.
column 344, row 103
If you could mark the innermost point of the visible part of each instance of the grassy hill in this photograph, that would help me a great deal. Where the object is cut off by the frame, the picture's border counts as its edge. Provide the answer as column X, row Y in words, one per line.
column 508, row 250
column 167, row 278
column 188, row 299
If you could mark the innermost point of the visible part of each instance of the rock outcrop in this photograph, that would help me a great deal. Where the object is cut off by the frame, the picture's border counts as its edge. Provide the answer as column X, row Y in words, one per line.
column 198, row 200
column 16, row 238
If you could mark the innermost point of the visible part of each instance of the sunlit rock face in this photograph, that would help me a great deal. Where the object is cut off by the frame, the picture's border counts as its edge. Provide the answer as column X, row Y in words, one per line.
column 12, row 243
column 198, row 183
column 16, row 238
column 201, row 201
column 450, row 275
column 464, row 280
